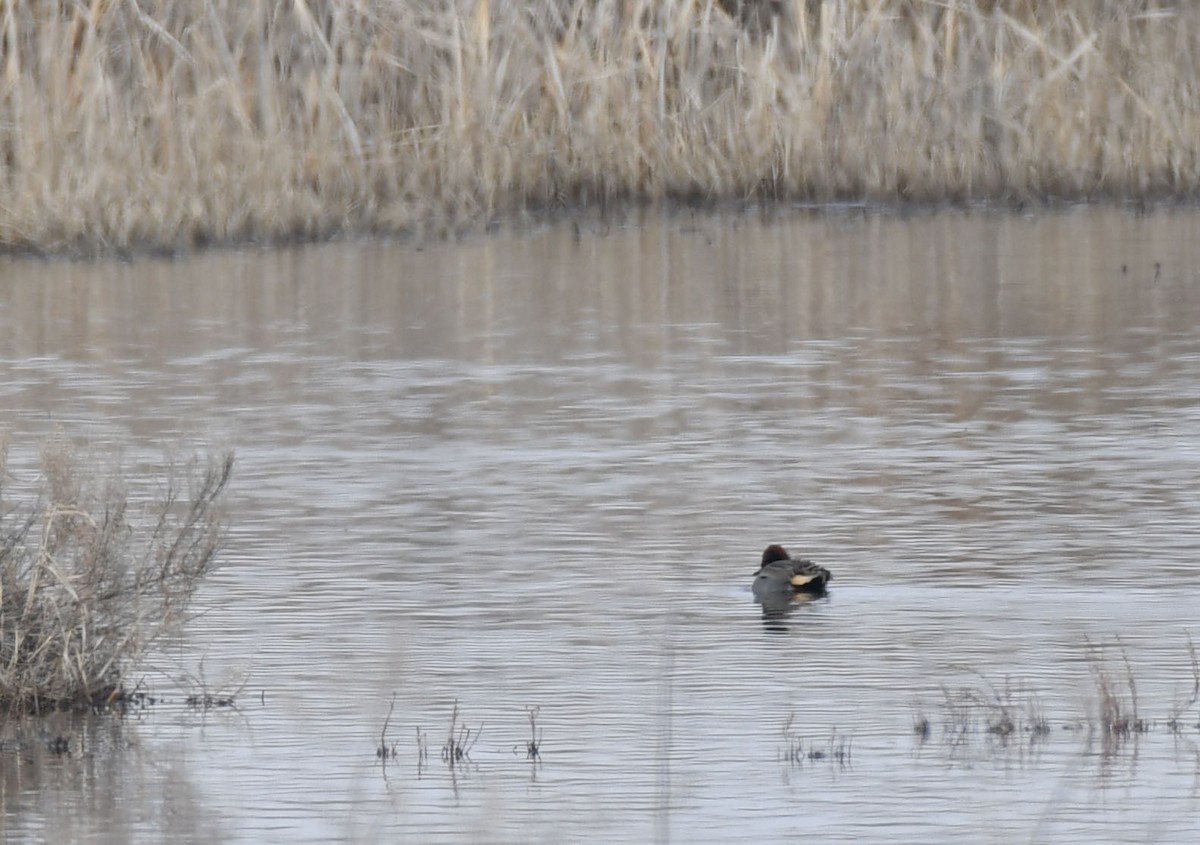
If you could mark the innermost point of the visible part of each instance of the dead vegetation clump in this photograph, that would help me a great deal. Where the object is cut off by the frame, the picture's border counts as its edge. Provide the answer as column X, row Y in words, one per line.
column 1112, row 713
column 152, row 125
column 1001, row 713
column 86, row 586
column 460, row 739
column 798, row 750
column 1116, row 706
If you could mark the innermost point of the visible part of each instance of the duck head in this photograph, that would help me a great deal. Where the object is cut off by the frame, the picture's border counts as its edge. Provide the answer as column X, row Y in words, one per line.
column 774, row 553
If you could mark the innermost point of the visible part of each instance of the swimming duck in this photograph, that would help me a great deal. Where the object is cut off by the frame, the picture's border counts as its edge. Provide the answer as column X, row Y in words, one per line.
column 780, row 573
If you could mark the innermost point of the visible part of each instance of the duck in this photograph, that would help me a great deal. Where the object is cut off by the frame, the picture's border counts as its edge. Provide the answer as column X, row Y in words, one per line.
column 782, row 574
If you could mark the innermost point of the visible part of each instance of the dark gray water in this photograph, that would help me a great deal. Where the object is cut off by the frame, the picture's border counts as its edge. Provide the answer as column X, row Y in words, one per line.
column 538, row 471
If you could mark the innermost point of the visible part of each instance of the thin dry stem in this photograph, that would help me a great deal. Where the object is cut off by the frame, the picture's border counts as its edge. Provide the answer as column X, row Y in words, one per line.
column 1179, row 709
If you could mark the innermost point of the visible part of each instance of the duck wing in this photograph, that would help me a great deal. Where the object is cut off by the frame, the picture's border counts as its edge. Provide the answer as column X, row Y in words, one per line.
column 808, row 575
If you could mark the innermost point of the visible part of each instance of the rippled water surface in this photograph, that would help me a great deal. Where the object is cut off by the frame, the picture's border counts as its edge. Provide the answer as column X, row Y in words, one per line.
column 535, row 473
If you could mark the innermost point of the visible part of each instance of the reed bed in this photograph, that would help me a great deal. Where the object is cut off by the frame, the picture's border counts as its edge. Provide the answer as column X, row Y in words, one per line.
column 166, row 124
column 87, row 583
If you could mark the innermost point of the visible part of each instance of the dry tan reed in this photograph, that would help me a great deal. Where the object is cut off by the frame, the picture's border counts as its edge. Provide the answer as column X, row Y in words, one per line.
column 83, row 594
column 129, row 124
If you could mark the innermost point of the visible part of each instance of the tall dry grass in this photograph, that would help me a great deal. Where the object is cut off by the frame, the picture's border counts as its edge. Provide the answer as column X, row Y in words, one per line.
column 86, row 588
column 131, row 124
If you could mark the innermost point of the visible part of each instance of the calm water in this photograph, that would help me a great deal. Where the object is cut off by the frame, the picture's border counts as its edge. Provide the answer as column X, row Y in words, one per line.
column 537, row 471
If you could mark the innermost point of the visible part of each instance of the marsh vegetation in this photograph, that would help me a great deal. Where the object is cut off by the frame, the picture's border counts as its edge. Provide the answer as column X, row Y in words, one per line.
column 1006, row 712
column 90, row 580
column 156, row 125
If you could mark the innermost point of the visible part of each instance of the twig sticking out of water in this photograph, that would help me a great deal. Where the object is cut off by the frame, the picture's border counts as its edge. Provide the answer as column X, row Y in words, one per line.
column 532, row 748
column 921, row 726
column 1178, row 711
column 385, row 751
column 459, row 740
column 422, row 751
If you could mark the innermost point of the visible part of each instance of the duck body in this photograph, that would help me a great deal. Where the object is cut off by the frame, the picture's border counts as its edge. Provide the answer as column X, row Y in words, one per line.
column 783, row 575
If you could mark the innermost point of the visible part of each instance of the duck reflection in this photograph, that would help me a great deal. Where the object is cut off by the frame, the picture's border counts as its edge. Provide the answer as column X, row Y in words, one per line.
column 777, row 609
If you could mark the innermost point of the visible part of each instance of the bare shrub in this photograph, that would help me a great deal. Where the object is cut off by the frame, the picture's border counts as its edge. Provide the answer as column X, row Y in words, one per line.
column 86, row 587
column 1001, row 713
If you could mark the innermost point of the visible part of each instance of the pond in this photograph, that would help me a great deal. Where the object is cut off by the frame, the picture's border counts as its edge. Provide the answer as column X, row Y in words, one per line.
column 530, row 477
